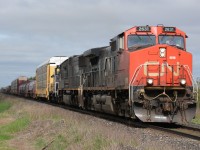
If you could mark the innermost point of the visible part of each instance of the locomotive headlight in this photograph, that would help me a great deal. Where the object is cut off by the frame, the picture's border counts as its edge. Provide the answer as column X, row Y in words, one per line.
column 150, row 81
column 182, row 81
column 162, row 52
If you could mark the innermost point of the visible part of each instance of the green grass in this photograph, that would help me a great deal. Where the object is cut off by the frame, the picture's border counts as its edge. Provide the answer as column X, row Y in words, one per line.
column 4, row 106
column 7, row 131
column 196, row 120
column 77, row 136
column 40, row 143
column 60, row 142
column 4, row 146
column 4, row 137
column 99, row 142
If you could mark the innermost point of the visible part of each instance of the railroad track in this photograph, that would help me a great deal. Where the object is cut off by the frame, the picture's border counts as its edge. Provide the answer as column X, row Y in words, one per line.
column 189, row 131
column 179, row 130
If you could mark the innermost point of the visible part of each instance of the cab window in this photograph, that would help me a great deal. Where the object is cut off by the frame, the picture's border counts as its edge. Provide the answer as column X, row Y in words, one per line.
column 136, row 42
column 173, row 40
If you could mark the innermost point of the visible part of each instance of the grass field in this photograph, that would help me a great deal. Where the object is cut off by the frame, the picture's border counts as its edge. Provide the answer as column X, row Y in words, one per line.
column 30, row 125
column 196, row 120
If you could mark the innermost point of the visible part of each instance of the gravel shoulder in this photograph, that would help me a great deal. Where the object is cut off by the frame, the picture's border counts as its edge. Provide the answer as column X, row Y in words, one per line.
column 55, row 128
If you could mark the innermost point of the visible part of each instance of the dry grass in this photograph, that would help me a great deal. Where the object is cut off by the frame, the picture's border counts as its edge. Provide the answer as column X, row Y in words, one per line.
column 196, row 120
column 61, row 129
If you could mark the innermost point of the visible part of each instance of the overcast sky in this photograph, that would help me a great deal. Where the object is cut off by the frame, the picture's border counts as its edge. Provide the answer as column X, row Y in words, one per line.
column 31, row 31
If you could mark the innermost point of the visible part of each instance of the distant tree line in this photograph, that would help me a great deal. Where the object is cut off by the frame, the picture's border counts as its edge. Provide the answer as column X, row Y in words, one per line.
column 31, row 78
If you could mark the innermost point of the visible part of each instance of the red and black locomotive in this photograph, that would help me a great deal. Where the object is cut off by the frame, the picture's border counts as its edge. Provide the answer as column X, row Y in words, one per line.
column 146, row 72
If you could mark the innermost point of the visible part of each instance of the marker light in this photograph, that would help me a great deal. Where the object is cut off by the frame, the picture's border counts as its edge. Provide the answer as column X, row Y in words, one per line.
column 162, row 52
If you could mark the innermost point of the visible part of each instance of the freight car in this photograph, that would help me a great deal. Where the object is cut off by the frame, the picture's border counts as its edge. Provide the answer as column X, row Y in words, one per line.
column 6, row 89
column 27, row 89
column 16, row 83
column 45, row 84
column 146, row 72
column 22, row 89
column 31, row 89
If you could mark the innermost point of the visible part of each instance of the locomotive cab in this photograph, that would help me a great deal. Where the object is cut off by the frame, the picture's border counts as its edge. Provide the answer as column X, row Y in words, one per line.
column 161, row 86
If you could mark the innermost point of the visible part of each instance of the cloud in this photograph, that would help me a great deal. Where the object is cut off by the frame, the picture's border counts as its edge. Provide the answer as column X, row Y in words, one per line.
column 33, row 30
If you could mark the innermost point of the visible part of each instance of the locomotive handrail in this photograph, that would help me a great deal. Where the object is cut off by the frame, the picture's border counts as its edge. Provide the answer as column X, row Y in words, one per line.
column 133, row 79
column 194, row 83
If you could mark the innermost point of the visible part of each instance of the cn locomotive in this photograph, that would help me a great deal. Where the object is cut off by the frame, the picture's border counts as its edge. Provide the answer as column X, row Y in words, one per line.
column 144, row 73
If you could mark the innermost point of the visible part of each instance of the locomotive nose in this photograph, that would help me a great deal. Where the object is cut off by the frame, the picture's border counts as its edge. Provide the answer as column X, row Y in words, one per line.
column 165, row 93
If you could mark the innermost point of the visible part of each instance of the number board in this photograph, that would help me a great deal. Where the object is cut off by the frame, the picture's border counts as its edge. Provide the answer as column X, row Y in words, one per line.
column 143, row 29
column 169, row 29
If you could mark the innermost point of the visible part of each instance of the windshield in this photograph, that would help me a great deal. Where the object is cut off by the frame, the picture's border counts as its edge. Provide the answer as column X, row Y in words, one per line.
column 172, row 40
column 136, row 42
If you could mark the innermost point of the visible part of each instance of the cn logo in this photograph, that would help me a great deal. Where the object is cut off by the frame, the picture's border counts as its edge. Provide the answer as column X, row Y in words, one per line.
column 163, row 68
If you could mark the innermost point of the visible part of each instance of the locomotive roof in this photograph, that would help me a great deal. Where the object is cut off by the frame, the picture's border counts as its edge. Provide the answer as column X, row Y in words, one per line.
column 158, row 26
column 94, row 51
